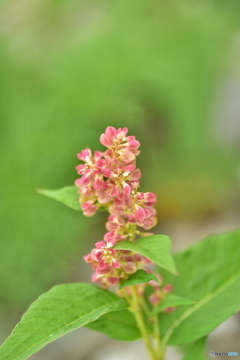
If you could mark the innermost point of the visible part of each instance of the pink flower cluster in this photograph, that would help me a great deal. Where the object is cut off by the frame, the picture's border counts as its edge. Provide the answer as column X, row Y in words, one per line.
column 110, row 180
column 158, row 294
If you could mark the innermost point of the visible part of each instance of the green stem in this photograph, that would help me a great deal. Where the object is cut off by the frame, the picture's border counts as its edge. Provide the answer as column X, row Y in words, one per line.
column 157, row 335
column 141, row 323
column 136, row 309
column 145, row 308
column 127, row 297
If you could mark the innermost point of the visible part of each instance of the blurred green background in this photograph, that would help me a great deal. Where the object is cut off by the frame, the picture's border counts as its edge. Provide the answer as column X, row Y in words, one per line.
column 70, row 68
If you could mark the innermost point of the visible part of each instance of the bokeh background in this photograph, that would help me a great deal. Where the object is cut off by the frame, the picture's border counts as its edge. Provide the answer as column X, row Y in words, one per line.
column 169, row 71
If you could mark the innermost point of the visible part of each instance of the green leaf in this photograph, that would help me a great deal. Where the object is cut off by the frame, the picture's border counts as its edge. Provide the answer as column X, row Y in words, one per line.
column 67, row 195
column 155, row 247
column 139, row 277
column 172, row 300
column 62, row 309
column 196, row 350
column 119, row 325
column 210, row 275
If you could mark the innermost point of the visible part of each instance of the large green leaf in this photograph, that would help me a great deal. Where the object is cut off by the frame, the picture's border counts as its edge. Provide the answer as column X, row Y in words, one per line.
column 196, row 351
column 119, row 325
column 172, row 300
column 55, row 313
column 67, row 195
column 155, row 247
column 210, row 275
column 139, row 277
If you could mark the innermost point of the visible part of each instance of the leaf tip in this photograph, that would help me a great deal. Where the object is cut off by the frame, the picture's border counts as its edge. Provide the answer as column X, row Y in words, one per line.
column 39, row 191
column 174, row 271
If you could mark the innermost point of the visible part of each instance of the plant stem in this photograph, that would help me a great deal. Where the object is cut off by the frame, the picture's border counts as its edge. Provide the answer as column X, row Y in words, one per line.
column 157, row 335
column 127, row 296
column 141, row 324
column 145, row 307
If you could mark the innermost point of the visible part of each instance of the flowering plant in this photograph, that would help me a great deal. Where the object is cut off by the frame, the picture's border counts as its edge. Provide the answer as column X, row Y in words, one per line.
column 135, row 272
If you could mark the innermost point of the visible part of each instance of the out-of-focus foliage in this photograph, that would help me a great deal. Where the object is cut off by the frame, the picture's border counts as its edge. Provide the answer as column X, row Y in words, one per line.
column 70, row 68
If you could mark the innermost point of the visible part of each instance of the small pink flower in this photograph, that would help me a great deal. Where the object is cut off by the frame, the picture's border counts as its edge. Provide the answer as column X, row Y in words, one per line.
column 90, row 168
column 87, row 258
column 150, row 198
column 126, row 156
column 140, row 213
column 112, row 136
column 95, row 277
column 85, row 155
column 128, row 263
column 167, row 288
column 100, row 244
column 108, row 137
column 112, row 237
column 103, row 258
column 89, row 209
column 154, row 299
column 130, row 267
column 124, row 147
column 103, row 268
column 113, row 280
column 170, row 309
column 115, row 223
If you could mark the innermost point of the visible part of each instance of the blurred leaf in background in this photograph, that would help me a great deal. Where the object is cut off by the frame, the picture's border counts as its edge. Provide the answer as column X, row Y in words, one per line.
column 71, row 68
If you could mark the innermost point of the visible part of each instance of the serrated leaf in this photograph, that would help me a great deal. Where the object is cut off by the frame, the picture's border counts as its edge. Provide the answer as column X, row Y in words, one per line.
column 120, row 325
column 196, row 350
column 209, row 274
column 155, row 247
column 67, row 195
column 172, row 300
column 62, row 309
column 139, row 277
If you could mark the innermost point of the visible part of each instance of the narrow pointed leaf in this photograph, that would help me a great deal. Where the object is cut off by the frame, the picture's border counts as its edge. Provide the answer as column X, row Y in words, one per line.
column 139, row 277
column 67, row 195
column 60, row 310
column 172, row 300
column 210, row 275
column 155, row 247
column 120, row 325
